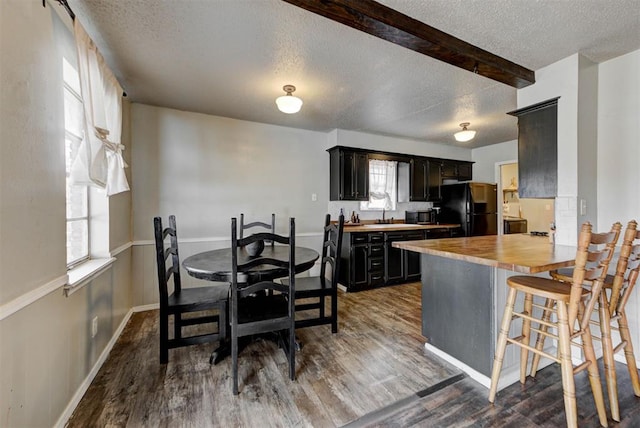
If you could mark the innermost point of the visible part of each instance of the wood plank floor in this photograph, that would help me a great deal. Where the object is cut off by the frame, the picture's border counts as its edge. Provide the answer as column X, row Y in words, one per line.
column 374, row 372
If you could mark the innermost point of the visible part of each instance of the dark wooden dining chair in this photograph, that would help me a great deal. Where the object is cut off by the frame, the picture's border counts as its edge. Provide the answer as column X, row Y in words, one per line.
column 316, row 289
column 611, row 315
column 263, row 306
column 184, row 300
column 573, row 305
column 269, row 227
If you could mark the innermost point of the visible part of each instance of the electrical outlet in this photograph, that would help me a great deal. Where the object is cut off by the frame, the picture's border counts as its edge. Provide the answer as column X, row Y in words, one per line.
column 314, row 197
column 583, row 207
column 94, row 327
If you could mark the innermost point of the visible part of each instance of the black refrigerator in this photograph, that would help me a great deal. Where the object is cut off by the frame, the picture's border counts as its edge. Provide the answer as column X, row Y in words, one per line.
column 472, row 205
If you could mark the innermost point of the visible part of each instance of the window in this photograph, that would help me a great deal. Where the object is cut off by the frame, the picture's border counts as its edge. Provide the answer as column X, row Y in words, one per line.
column 383, row 186
column 77, row 195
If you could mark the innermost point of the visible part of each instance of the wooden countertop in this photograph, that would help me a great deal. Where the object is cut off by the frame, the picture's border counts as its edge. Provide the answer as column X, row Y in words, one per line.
column 395, row 227
column 518, row 252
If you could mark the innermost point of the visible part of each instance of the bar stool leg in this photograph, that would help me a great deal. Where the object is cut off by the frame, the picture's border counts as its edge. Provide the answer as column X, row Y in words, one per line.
column 594, row 376
column 625, row 335
column 607, row 356
column 540, row 339
column 566, row 366
column 502, row 343
column 526, row 333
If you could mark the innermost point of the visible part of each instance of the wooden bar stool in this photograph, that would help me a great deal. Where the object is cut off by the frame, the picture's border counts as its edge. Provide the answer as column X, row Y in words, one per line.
column 573, row 304
column 611, row 309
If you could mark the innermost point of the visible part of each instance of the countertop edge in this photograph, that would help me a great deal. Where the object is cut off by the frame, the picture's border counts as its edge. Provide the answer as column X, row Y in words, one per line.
column 397, row 227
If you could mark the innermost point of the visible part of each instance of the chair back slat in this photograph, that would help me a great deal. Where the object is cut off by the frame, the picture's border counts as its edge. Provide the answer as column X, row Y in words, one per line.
column 594, row 253
column 626, row 269
column 167, row 270
column 270, row 227
column 239, row 268
column 331, row 247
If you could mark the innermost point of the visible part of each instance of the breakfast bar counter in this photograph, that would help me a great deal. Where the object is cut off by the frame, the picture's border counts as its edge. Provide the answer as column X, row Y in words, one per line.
column 464, row 292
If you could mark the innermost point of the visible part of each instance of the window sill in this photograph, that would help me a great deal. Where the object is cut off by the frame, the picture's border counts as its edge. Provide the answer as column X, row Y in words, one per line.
column 82, row 274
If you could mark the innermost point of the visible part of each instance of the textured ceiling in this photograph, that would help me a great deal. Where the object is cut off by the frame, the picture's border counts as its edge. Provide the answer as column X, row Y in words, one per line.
column 231, row 58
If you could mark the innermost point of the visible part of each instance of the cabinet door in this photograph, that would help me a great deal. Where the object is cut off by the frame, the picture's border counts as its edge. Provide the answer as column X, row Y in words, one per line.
column 418, row 179
column 359, row 266
column 449, row 170
column 465, row 172
column 348, row 175
column 537, row 150
column 434, row 180
column 361, row 176
column 413, row 266
column 393, row 260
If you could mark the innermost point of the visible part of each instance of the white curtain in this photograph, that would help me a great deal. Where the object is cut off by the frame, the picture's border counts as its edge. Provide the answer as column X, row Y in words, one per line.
column 382, row 184
column 99, row 161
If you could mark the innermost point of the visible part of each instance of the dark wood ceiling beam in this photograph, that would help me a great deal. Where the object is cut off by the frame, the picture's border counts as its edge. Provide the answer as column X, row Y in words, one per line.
column 389, row 24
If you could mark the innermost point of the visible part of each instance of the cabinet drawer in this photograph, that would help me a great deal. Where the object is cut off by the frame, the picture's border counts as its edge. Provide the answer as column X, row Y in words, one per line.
column 376, row 278
column 358, row 238
column 376, row 250
column 376, row 265
column 376, row 238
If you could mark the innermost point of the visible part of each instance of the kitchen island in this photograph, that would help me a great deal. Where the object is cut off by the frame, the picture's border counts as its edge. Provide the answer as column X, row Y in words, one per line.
column 464, row 292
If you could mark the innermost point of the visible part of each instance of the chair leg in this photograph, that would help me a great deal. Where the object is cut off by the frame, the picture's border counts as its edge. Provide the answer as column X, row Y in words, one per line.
column 164, row 337
column 334, row 311
column 607, row 356
column 177, row 326
column 526, row 332
column 564, row 352
column 502, row 343
column 540, row 339
column 222, row 322
column 594, row 376
column 292, row 353
column 625, row 335
column 234, row 360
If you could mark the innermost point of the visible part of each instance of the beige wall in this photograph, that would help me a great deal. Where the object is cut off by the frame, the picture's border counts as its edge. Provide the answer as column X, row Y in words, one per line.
column 46, row 349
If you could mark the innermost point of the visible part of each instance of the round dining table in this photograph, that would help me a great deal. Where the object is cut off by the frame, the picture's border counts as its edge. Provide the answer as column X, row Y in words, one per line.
column 215, row 265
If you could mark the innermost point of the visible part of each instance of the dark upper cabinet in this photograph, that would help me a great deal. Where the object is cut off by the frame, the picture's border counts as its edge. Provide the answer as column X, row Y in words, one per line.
column 434, row 180
column 418, row 179
column 538, row 150
column 349, row 179
column 457, row 170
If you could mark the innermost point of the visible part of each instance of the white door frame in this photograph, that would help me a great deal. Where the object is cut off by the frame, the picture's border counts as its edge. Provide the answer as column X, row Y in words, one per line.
column 498, row 178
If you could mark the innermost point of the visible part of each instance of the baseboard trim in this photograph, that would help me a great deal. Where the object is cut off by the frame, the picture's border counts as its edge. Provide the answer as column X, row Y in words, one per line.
column 507, row 377
column 75, row 400
column 149, row 307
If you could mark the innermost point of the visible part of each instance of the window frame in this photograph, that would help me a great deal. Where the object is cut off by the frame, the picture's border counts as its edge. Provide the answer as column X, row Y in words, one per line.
column 70, row 135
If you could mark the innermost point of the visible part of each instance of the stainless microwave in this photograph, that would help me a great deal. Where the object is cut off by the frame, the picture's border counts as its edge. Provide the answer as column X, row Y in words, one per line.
column 421, row 217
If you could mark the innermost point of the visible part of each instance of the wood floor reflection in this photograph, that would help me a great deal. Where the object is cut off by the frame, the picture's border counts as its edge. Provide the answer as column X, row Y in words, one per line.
column 373, row 372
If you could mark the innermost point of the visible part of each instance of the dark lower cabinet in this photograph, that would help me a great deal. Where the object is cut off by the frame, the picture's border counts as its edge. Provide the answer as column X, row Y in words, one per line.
column 394, row 259
column 370, row 260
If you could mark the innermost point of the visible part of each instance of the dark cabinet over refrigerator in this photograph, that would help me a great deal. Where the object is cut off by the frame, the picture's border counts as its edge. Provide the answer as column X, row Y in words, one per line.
column 473, row 205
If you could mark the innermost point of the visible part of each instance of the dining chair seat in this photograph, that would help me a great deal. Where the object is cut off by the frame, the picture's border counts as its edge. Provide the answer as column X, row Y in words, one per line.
column 566, row 275
column 312, row 286
column 198, row 296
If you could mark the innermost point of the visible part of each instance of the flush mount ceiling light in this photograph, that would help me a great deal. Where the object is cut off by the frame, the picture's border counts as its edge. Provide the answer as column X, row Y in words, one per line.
column 465, row 134
column 288, row 103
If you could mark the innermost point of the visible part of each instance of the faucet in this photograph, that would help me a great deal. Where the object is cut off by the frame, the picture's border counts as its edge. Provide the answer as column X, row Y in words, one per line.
column 383, row 215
